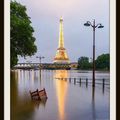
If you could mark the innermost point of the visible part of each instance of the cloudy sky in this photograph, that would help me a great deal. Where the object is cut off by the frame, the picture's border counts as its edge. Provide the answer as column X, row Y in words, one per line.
column 45, row 15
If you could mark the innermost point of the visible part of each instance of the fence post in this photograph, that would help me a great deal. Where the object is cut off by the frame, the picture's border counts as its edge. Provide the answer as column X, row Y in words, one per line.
column 80, row 81
column 103, row 82
column 86, row 82
column 74, row 80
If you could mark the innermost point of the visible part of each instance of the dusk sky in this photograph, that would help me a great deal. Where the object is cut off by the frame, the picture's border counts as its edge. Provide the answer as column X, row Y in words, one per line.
column 45, row 15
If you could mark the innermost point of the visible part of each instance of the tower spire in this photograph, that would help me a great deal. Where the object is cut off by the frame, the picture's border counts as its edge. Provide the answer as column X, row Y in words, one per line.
column 61, row 55
column 61, row 37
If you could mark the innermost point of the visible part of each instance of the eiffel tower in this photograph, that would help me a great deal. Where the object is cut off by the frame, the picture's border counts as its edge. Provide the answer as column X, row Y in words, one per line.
column 61, row 55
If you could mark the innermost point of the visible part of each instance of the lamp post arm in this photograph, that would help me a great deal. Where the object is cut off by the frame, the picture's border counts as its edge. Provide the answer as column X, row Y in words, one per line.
column 97, row 25
column 90, row 23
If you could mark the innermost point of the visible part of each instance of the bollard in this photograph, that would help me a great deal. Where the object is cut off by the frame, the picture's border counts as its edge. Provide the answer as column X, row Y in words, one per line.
column 103, row 85
column 103, row 82
column 86, row 82
column 74, row 80
column 80, row 81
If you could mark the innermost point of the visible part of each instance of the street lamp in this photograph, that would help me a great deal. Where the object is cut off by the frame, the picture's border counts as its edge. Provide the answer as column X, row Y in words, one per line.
column 40, row 57
column 94, row 26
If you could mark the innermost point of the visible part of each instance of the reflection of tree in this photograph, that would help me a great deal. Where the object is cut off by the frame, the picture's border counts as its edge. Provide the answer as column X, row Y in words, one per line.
column 21, row 107
column 61, row 89
column 14, row 91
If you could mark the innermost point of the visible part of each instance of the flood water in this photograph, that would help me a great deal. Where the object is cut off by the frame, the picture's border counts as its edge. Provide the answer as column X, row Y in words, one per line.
column 66, row 100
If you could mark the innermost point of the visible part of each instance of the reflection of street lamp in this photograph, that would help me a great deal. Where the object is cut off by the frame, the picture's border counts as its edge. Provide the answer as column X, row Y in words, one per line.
column 94, row 26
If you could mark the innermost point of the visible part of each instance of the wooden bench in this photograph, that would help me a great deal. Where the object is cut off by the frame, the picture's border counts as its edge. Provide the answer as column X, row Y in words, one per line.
column 35, row 95
column 38, row 95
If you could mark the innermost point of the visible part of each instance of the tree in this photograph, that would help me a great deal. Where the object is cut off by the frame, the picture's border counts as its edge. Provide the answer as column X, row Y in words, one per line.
column 103, row 62
column 21, row 39
column 83, row 63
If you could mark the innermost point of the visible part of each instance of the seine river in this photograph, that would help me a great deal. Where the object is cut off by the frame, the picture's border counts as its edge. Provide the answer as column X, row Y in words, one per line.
column 66, row 100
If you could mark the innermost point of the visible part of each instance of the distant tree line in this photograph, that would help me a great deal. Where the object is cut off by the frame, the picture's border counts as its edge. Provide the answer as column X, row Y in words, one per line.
column 101, row 63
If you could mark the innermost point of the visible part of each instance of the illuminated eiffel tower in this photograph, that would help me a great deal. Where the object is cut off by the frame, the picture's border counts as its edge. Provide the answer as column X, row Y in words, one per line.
column 61, row 55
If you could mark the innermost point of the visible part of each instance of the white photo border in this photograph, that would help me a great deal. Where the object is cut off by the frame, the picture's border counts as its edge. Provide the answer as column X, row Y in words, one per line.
column 7, row 60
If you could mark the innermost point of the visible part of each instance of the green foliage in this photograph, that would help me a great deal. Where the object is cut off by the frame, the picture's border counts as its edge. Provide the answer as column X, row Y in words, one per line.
column 103, row 62
column 83, row 63
column 22, row 40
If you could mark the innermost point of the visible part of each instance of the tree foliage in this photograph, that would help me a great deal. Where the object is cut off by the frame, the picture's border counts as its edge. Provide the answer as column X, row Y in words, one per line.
column 83, row 63
column 103, row 62
column 21, row 38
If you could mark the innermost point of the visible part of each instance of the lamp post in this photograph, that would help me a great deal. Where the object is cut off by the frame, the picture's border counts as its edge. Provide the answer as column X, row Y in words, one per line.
column 40, row 58
column 94, row 26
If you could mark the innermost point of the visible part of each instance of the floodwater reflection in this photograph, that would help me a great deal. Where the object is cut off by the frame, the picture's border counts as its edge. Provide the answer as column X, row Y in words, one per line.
column 93, row 103
column 66, row 100
column 61, row 91
column 20, row 103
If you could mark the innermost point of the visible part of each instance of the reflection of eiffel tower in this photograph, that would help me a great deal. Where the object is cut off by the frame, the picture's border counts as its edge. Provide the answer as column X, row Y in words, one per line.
column 61, row 55
column 61, row 91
